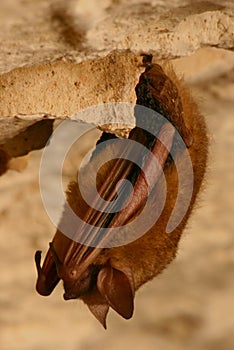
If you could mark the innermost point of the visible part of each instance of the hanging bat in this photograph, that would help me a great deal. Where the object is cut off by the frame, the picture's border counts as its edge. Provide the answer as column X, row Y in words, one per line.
column 99, row 271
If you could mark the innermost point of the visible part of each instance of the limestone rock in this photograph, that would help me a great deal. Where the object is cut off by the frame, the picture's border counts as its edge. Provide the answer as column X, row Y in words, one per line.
column 58, row 58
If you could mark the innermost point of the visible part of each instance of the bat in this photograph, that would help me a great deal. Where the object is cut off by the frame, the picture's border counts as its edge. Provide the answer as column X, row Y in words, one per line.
column 96, row 266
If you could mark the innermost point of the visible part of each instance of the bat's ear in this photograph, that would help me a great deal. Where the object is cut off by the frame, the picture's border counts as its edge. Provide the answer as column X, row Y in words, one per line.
column 97, row 305
column 100, row 312
column 117, row 288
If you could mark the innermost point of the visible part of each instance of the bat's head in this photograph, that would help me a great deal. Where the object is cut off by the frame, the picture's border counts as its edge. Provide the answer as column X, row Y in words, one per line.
column 76, row 285
column 101, row 284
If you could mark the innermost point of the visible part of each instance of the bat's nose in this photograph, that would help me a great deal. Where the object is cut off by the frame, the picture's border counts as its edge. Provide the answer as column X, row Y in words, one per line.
column 69, row 295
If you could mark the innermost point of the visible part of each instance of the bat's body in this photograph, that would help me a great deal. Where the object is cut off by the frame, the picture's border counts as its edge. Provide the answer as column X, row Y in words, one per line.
column 108, row 277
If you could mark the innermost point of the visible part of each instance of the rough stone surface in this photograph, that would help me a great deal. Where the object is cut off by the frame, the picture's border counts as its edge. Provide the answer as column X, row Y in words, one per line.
column 48, row 38
column 62, row 89
column 35, row 32
column 190, row 306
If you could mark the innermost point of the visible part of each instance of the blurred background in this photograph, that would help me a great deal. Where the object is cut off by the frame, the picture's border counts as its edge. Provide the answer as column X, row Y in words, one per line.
column 191, row 304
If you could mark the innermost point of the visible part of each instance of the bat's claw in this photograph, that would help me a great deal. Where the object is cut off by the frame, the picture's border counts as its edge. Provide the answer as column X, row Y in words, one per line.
column 42, row 286
column 41, row 279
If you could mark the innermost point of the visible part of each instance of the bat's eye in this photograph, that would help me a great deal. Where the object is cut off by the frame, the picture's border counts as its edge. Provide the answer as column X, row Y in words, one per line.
column 73, row 274
column 69, row 275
